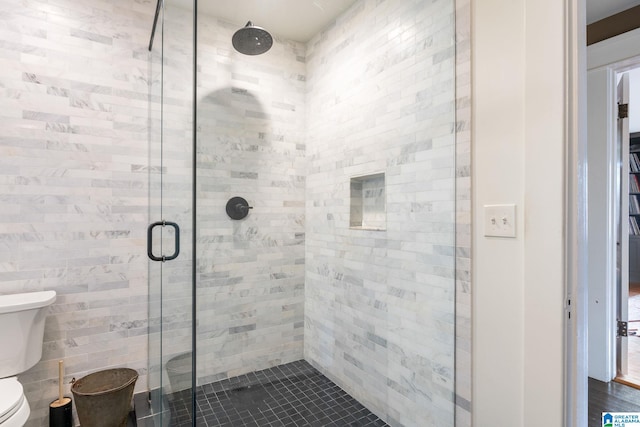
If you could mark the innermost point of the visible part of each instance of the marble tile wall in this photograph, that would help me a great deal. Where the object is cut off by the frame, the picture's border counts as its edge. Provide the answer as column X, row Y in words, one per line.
column 74, row 174
column 74, row 114
column 251, row 145
column 379, row 305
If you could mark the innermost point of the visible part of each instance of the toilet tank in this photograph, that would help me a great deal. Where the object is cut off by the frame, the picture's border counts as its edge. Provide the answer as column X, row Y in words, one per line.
column 22, row 319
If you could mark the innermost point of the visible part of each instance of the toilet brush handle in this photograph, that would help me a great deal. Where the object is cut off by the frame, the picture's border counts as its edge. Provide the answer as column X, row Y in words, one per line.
column 61, row 410
column 60, row 379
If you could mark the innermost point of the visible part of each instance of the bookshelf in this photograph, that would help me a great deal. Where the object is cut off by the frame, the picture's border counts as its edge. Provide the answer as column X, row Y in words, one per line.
column 634, row 191
column 634, row 207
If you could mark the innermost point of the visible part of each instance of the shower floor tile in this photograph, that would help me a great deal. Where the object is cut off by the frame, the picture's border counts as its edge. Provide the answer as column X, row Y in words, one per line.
column 294, row 394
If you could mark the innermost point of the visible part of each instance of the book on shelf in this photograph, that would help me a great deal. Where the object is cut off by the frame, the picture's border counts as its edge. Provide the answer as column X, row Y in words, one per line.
column 634, row 162
column 634, row 204
column 634, row 229
column 634, row 184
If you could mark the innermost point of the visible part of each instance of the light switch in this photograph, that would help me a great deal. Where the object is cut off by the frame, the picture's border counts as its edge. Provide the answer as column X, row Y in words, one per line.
column 500, row 220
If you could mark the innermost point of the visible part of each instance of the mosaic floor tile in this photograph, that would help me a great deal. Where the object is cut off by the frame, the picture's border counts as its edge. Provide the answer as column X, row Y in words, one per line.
column 294, row 394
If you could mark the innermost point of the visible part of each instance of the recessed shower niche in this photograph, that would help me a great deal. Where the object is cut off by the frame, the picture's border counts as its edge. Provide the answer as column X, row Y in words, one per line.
column 368, row 202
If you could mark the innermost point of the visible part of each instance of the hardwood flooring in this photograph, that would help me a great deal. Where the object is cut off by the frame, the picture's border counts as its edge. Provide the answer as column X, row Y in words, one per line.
column 633, row 375
column 624, row 394
column 610, row 397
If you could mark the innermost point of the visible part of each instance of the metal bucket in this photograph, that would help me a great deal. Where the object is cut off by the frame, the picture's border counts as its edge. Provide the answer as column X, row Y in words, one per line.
column 103, row 399
column 179, row 372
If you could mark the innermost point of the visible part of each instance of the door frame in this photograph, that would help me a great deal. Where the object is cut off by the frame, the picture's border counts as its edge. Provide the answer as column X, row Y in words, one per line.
column 602, row 222
column 608, row 59
column 621, row 289
column 611, row 51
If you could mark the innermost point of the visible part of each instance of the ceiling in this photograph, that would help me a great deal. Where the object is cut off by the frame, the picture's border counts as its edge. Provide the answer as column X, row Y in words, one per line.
column 599, row 9
column 297, row 20
column 311, row 16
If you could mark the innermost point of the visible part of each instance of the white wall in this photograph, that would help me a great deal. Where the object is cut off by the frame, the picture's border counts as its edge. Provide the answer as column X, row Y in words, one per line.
column 518, row 154
column 498, row 133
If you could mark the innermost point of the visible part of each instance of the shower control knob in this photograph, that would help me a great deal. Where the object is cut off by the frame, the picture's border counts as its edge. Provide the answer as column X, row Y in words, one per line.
column 238, row 208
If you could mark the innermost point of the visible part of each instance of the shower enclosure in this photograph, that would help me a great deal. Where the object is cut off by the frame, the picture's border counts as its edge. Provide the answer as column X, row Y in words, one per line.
column 303, row 205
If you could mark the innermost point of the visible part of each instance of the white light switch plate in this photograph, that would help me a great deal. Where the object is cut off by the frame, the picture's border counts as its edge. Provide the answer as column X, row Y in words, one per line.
column 500, row 220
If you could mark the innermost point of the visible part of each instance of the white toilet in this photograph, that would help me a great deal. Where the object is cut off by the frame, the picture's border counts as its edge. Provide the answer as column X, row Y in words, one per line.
column 22, row 319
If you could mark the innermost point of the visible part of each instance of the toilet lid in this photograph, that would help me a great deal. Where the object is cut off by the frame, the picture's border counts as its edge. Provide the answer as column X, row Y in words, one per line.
column 11, row 397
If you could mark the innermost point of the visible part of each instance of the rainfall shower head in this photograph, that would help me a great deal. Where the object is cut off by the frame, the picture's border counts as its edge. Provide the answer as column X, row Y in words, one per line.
column 252, row 40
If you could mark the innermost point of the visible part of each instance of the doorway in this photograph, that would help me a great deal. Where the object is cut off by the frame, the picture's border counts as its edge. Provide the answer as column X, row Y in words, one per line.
column 608, row 224
column 628, row 368
column 605, row 61
column 614, row 219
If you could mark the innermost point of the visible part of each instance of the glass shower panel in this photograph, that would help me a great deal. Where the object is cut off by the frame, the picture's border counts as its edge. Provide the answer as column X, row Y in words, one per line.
column 171, row 202
column 369, row 99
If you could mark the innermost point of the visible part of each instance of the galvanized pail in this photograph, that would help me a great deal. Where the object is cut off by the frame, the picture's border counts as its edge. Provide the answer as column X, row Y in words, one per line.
column 103, row 399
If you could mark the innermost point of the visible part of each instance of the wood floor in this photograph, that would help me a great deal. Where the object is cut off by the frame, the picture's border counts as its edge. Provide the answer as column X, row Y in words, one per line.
column 624, row 394
column 610, row 397
column 633, row 376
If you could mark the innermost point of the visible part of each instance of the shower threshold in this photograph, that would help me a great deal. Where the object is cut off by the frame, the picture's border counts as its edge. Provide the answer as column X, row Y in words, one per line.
column 293, row 394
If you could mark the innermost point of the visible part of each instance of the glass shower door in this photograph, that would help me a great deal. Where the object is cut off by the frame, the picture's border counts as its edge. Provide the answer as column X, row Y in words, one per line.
column 343, row 142
column 170, row 231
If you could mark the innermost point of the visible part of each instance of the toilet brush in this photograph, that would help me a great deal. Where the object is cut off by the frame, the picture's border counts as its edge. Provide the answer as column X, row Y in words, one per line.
column 60, row 412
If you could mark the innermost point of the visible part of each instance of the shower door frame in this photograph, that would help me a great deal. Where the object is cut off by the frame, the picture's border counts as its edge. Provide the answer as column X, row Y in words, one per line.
column 158, row 408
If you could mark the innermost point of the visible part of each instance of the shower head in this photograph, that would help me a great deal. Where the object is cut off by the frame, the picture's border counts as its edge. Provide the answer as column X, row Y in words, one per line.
column 252, row 40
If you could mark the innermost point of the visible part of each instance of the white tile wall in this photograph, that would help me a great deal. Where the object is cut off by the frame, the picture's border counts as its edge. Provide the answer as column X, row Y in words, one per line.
column 74, row 173
column 73, row 180
column 379, row 305
column 250, row 145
